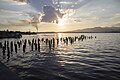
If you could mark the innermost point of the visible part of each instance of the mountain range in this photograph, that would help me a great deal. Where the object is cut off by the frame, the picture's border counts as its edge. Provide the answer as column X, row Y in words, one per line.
column 99, row 30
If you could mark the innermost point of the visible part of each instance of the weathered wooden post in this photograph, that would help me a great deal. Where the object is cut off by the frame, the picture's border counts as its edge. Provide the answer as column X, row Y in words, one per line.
column 49, row 44
column 11, row 46
column 5, row 45
column 38, row 46
column 3, row 50
column 53, row 42
column 35, row 46
column 8, row 53
column 46, row 41
column 32, row 46
column 24, row 48
column 57, row 41
column 16, row 48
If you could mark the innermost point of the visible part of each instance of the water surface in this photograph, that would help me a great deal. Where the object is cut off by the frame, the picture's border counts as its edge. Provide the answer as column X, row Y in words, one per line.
column 90, row 59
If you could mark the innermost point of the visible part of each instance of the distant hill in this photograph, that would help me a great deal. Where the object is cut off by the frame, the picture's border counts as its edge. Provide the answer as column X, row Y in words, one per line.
column 118, row 25
column 99, row 30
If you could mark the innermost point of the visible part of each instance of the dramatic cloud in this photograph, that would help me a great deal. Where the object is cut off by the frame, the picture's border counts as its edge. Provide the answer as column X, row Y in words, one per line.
column 79, row 12
column 34, row 7
column 38, row 4
column 51, row 14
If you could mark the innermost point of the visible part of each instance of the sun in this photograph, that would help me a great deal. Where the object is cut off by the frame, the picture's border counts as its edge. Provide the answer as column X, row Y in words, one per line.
column 61, row 21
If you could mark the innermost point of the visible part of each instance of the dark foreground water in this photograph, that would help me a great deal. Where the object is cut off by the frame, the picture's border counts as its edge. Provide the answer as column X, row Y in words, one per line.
column 91, row 59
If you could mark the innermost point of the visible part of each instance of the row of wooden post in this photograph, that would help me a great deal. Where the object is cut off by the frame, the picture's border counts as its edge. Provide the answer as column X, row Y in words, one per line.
column 35, row 44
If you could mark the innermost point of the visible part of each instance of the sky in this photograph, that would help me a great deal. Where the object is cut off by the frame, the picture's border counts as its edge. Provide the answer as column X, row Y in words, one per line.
column 78, row 14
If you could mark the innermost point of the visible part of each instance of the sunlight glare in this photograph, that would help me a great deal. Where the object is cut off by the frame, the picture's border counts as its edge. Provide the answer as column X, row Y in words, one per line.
column 61, row 21
column 59, row 36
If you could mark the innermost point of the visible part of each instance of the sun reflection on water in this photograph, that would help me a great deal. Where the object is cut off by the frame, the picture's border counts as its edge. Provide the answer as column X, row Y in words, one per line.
column 59, row 36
